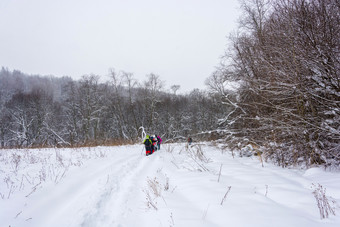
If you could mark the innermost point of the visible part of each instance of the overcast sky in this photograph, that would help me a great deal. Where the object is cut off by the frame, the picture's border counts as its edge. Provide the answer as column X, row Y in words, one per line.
column 179, row 40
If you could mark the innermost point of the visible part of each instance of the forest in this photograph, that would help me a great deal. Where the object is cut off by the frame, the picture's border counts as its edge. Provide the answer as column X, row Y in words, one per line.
column 284, row 58
column 50, row 111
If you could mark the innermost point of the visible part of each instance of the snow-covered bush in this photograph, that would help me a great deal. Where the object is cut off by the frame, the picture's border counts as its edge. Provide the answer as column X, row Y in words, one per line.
column 247, row 151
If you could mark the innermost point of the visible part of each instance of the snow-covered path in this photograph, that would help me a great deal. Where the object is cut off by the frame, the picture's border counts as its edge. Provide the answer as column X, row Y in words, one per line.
column 96, row 194
column 119, row 186
column 91, row 195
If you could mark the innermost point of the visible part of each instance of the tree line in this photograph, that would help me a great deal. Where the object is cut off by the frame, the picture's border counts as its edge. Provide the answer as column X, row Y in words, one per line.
column 50, row 111
column 285, row 60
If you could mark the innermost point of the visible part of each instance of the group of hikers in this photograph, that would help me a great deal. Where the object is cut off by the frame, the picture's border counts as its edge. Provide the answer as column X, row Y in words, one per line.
column 152, row 143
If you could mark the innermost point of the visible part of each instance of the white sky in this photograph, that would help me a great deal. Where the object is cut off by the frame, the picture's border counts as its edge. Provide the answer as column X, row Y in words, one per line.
column 179, row 40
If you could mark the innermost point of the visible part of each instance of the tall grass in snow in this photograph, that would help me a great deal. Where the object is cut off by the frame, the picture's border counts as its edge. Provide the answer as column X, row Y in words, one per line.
column 28, row 169
column 326, row 205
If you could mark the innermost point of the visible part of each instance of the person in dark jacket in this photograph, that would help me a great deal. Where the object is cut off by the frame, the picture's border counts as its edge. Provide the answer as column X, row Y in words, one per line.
column 189, row 140
column 148, row 143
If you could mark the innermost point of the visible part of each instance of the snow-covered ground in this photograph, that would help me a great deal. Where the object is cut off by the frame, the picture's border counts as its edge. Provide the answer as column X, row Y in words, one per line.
column 176, row 186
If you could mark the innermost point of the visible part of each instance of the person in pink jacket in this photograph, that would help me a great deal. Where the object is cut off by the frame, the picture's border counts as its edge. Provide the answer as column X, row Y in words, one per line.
column 159, row 141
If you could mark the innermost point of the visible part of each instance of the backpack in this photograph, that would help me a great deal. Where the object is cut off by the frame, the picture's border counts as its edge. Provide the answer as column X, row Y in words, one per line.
column 147, row 142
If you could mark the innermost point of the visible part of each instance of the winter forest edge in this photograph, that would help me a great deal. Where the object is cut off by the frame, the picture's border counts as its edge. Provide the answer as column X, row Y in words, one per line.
column 285, row 58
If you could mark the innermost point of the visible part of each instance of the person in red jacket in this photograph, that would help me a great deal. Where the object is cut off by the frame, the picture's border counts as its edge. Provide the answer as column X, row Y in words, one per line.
column 153, row 139
column 159, row 141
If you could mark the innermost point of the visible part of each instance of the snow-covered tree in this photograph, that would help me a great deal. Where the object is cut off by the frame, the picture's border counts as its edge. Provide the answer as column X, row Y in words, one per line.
column 285, row 59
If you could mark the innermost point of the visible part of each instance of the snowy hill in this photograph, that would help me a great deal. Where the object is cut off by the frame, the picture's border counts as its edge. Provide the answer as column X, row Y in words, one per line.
column 195, row 186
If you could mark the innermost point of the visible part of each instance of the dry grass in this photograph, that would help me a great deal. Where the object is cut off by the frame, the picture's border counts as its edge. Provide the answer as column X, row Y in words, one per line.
column 169, row 148
column 155, row 187
column 325, row 204
column 196, row 153
column 225, row 195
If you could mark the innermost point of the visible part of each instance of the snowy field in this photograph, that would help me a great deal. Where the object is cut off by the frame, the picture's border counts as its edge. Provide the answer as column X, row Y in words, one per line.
column 176, row 186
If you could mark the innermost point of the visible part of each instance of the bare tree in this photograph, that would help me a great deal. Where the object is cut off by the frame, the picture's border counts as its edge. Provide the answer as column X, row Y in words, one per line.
column 153, row 86
column 131, row 85
column 90, row 106
column 175, row 88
